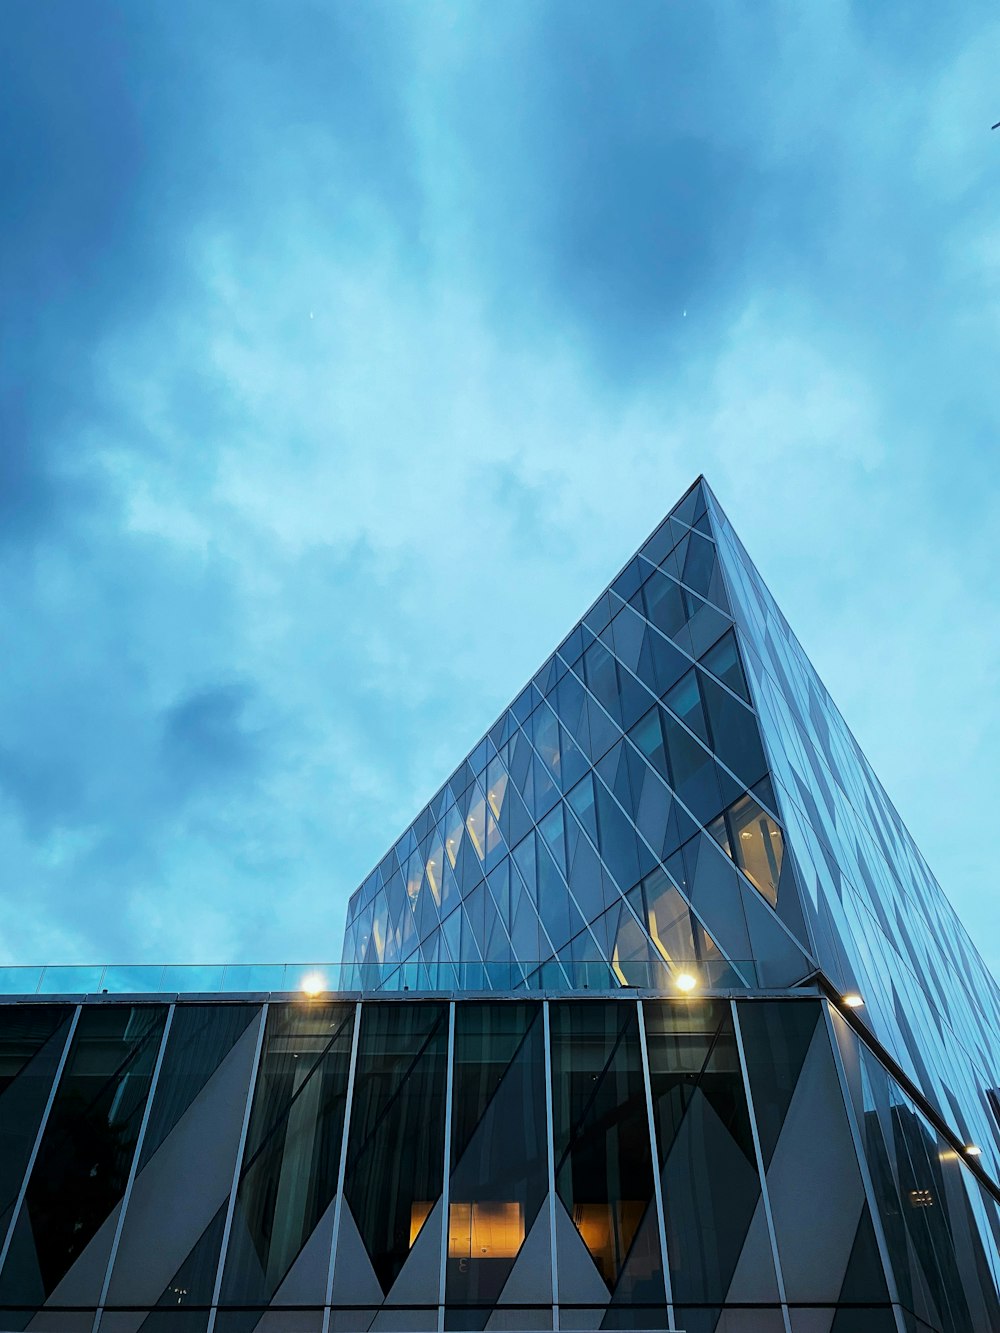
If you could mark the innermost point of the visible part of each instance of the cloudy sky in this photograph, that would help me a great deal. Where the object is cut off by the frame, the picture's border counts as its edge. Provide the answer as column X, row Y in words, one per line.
column 348, row 349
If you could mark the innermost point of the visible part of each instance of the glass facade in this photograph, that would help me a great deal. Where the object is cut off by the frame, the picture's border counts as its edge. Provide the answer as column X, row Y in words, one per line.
column 674, row 802
column 706, row 1164
column 618, row 820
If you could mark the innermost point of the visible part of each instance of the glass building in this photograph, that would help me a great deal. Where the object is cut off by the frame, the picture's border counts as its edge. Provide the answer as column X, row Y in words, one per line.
column 654, row 1018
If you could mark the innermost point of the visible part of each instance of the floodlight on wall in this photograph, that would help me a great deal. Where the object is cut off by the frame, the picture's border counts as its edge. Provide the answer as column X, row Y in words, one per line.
column 973, row 1150
column 685, row 981
column 852, row 1000
column 313, row 984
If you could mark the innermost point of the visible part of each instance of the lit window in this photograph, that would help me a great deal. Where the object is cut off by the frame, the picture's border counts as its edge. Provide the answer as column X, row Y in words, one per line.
column 476, row 824
column 419, row 1213
column 496, row 786
column 488, row 1230
column 758, row 845
column 453, row 831
column 435, row 864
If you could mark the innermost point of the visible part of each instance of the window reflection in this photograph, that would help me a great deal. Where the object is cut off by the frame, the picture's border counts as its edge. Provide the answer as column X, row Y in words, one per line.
column 604, row 1170
column 708, row 1167
column 396, row 1142
column 723, row 660
column 414, row 876
column 499, row 1175
column 293, row 1144
column 86, row 1151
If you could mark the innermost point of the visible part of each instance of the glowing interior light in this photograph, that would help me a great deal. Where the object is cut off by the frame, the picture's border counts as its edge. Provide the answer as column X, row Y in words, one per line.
column 313, row 983
column 853, row 1000
column 685, row 981
column 973, row 1150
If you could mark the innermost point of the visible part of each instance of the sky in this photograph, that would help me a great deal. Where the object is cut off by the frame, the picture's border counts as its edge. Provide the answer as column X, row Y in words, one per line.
column 348, row 350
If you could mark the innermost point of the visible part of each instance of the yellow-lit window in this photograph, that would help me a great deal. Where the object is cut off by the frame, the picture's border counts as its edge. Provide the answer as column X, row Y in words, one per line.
column 434, row 868
column 496, row 786
column 608, row 1230
column 378, row 933
column 488, row 1230
column 419, row 1213
column 669, row 919
column 759, row 846
column 476, row 824
column 453, row 832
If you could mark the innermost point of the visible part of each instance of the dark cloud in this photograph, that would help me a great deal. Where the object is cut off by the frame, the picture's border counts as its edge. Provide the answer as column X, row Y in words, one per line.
column 206, row 736
column 123, row 133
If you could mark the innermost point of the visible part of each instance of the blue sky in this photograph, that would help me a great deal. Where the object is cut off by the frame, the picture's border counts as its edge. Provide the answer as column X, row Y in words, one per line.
column 347, row 352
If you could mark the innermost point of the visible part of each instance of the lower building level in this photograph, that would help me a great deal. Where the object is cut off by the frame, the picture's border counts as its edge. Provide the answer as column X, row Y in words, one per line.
column 293, row 1164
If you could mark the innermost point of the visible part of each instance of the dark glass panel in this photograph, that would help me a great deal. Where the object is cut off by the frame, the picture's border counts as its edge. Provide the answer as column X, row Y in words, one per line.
column 499, row 1169
column 604, row 1173
column 86, row 1151
column 32, row 1038
column 292, row 1155
column 708, row 1168
column 735, row 733
column 181, row 1320
column 395, row 1154
column 723, row 660
column 922, row 1190
column 621, row 851
column 201, row 1036
column 735, row 1319
column 664, row 604
column 776, row 1036
column 699, row 565
column 694, row 773
column 300, row 1319
column 193, row 1285
column 506, row 1317
column 798, row 1100
column 684, row 700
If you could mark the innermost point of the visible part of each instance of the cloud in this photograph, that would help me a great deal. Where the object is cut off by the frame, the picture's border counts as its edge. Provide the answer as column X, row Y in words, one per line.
column 360, row 364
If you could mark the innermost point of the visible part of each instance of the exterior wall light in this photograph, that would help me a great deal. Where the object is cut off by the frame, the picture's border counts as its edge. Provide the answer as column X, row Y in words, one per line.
column 852, row 1000
column 685, row 981
column 973, row 1150
column 313, row 984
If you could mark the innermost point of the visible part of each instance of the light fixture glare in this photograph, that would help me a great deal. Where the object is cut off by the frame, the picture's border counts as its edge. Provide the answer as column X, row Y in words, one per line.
column 313, row 984
column 685, row 981
column 853, row 1000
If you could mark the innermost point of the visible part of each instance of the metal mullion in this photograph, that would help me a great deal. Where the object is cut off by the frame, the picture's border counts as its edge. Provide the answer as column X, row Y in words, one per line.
column 134, row 1168
column 19, row 1201
column 866, row 1176
column 342, row 1166
column 446, row 1189
column 657, row 1183
column 758, row 1154
column 550, row 1136
column 244, row 1129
